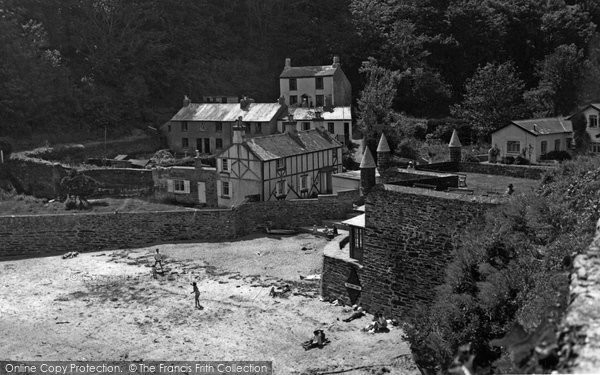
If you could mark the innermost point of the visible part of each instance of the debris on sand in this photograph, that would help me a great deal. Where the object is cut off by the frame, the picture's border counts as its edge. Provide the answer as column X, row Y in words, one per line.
column 310, row 277
column 70, row 254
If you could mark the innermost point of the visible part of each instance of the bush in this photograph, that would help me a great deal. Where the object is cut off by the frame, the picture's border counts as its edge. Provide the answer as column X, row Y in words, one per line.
column 507, row 160
column 557, row 155
column 519, row 160
column 6, row 148
column 469, row 157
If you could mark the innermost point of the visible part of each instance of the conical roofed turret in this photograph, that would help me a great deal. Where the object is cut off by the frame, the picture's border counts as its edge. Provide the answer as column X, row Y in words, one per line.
column 367, row 160
column 383, row 144
column 454, row 141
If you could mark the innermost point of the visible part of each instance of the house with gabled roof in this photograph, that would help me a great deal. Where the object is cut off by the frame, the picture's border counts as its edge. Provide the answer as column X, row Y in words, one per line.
column 591, row 114
column 534, row 138
column 208, row 127
column 337, row 120
column 291, row 165
column 315, row 86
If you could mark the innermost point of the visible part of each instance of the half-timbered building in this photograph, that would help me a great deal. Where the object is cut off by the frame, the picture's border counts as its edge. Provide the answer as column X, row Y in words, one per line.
column 291, row 165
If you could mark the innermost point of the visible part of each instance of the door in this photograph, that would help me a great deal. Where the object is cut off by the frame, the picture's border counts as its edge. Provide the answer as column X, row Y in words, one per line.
column 201, row 192
column 207, row 145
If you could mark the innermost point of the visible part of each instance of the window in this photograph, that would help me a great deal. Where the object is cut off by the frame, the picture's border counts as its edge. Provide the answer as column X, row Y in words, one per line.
column 224, row 99
column 331, row 127
column 280, row 188
column 306, row 126
column 280, row 164
column 169, row 127
column 225, row 165
column 346, row 129
column 293, row 99
column 319, row 83
column 219, row 143
column 304, row 182
column 595, row 147
column 544, row 147
column 225, row 188
column 319, row 100
column 178, row 186
column 185, row 143
column 218, row 127
column 184, row 126
column 593, row 121
column 513, row 147
column 258, row 128
column 570, row 143
column 557, row 144
column 199, row 144
column 293, row 84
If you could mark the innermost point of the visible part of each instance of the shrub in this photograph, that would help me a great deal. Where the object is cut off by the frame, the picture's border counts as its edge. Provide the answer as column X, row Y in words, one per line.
column 507, row 160
column 520, row 160
column 6, row 148
column 557, row 155
column 469, row 157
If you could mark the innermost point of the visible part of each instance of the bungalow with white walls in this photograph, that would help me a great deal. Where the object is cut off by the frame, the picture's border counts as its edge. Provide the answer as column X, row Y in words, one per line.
column 534, row 138
column 291, row 165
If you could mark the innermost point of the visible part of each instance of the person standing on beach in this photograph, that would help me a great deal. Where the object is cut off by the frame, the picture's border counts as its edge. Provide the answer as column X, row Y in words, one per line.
column 197, row 295
column 158, row 260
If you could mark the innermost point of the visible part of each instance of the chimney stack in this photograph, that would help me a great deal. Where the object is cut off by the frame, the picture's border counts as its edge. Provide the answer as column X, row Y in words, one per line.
column 288, row 62
column 238, row 132
column 455, row 147
column 383, row 154
column 367, row 172
column 186, row 101
column 336, row 61
column 290, row 125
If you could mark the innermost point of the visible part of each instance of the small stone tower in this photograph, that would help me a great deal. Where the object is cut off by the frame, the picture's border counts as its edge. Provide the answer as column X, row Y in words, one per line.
column 455, row 147
column 367, row 172
column 384, row 154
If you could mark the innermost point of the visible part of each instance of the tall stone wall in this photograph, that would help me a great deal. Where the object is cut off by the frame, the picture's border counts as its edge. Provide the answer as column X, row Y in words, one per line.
column 38, row 235
column 520, row 171
column 122, row 182
column 408, row 243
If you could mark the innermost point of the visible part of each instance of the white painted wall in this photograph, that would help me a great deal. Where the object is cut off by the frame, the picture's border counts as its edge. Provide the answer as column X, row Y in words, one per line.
column 514, row 133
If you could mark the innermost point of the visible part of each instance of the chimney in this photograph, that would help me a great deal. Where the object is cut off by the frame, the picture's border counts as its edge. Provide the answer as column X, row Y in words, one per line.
column 455, row 147
column 367, row 172
column 383, row 154
column 288, row 63
column 238, row 132
column 290, row 125
column 186, row 101
column 336, row 61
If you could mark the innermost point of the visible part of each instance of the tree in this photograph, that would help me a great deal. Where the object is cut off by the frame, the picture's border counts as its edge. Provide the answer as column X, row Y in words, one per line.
column 560, row 75
column 79, row 186
column 493, row 97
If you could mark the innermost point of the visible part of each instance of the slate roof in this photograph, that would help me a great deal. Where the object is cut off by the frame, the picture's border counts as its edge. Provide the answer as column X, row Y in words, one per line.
column 336, row 113
column 454, row 141
column 357, row 221
column 308, row 71
column 542, row 126
column 383, row 145
column 227, row 112
column 282, row 145
column 367, row 160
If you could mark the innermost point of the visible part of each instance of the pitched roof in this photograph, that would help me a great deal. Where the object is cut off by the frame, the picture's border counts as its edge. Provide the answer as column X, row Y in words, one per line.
column 281, row 145
column 541, row 126
column 308, row 71
column 454, row 141
column 229, row 112
column 383, row 145
column 336, row 113
column 367, row 160
column 593, row 105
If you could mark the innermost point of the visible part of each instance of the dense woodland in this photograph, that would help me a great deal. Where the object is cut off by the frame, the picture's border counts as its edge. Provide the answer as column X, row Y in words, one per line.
column 86, row 65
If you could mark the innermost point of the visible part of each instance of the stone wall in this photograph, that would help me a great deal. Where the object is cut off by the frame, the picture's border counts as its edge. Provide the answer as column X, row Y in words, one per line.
column 520, row 171
column 408, row 243
column 337, row 267
column 194, row 175
column 37, row 235
column 579, row 338
column 27, row 236
column 42, row 178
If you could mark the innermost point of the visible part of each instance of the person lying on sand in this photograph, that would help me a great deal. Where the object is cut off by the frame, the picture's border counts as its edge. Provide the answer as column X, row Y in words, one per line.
column 317, row 341
column 358, row 313
column 196, row 291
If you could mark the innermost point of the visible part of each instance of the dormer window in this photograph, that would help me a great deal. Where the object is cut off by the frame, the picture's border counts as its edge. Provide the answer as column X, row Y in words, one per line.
column 593, row 121
column 280, row 164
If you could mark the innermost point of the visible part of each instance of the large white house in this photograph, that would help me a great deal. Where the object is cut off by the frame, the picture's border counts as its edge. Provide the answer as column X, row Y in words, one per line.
column 315, row 86
column 534, row 138
column 294, row 164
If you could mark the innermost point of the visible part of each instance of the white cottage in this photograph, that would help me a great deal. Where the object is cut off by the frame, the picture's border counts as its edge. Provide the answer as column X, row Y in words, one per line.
column 295, row 164
column 534, row 138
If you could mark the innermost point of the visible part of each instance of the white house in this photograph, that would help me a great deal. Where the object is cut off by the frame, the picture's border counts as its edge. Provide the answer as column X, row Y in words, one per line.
column 591, row 113
column 295, row 164
column 534, row 138
column 315, row 86
column 337, row 120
